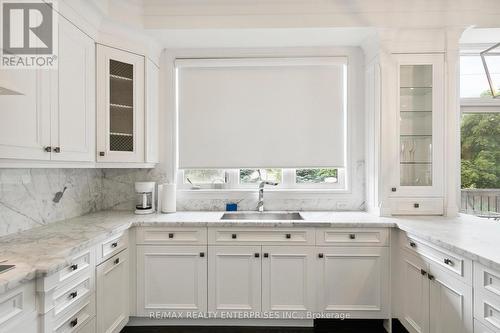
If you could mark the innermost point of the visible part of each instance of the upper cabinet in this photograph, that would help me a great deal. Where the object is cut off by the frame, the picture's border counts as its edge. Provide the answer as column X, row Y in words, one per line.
column 53, row 117
column 120, row 106
column 420, row 114
column 25, row 118
column 94, row 107
column 73, row 112
column 417, row 163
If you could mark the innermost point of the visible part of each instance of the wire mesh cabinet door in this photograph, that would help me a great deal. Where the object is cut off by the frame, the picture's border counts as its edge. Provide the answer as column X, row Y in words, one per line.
column 120, row 106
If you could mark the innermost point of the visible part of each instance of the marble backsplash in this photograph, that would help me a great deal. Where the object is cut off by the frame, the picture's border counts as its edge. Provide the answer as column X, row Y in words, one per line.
column 34, row 197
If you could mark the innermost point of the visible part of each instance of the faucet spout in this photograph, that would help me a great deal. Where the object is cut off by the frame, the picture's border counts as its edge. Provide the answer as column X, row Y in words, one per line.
column 260, row 204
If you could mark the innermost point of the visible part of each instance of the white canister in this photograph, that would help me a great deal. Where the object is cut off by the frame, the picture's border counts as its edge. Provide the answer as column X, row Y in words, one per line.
column 167, row 198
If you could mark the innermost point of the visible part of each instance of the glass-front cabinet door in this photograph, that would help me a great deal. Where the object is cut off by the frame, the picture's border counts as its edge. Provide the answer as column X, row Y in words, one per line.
column 420, row 125
column 120, row 93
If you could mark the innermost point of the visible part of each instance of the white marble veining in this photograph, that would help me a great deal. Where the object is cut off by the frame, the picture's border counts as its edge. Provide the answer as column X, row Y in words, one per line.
column 46, row 249
column 27, row 196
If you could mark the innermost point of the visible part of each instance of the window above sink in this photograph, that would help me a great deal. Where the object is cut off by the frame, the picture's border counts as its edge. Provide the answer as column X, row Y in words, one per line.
column 227, row 179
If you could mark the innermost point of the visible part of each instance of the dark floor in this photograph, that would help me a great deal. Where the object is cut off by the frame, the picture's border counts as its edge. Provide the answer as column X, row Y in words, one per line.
column 345, row 326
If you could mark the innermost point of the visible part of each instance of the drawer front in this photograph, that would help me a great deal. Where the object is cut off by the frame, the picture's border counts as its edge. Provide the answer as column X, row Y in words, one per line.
column 89, row 327
column 459, row 266
column 481, row 328
column 71, row 294
column 164, row 236
column 79, row 265
column 487, row 310
column 16, row 304
column 233, row 236
column 352, row 237
column 417, row 206
column 77, row 319
column 487, row 281
column 112, row 246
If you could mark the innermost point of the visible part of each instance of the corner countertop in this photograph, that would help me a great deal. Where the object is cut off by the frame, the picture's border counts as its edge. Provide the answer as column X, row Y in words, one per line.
column 44, row 250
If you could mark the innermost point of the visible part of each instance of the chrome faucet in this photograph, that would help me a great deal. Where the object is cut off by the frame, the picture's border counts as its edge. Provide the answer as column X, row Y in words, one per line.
column 260, row 204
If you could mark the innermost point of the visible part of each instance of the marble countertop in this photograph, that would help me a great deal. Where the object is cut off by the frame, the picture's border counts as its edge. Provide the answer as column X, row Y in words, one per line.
column 44, row 250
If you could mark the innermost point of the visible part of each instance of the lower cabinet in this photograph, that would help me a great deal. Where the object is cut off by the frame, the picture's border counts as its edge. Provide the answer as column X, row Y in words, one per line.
column 432, row 300
column 234, row 278
column 18, row 310
column 171, row 278
column 414, row 293
column 353, row 281
column 288, row 278
column 112, row 278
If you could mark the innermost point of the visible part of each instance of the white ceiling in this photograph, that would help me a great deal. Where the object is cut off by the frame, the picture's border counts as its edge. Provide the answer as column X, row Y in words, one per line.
column 243, row 38
column 191, row 14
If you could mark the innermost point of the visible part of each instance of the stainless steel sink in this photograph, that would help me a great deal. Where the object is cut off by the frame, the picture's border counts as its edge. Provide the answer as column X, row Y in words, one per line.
column 261, row 216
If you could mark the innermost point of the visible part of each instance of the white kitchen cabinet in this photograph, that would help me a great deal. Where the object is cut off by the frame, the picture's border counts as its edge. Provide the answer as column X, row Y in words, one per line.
column 486, row 298
column 54, row 118
column 152, row 121
column 417, row 165
column 234, row 278
column 112, row 288
column 120, row 106
column 171, row 278
column 73, row 109
column 353, row 280
column 432, row 300
column 288, row 278
column 414, row 293
column 18, row 312
column 25, row 125
column 450, row 303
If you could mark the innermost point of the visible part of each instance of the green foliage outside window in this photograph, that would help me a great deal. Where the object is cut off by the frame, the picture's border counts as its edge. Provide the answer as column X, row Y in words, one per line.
column 480, row 142
column 251, row 176
column 317, row 175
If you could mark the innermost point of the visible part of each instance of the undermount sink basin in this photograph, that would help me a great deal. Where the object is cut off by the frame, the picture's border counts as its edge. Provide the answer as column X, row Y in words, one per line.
column 261, row 216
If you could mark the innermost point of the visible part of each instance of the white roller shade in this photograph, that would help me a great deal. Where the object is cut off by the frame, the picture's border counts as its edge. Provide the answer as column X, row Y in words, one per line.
column 255, row 113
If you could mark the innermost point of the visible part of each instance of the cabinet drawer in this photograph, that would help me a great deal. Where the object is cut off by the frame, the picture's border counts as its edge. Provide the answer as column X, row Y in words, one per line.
column 233, row 236
column 77, row 319
column 15, row 305
column 89, row 327
column 487, row 281
column 459, row 266
column 417, row 206
column 79, row 265
column 112, row 246
column 487, row 310
column 352, row 237
column 71, row 294
column 181, row 236
column 481, row 328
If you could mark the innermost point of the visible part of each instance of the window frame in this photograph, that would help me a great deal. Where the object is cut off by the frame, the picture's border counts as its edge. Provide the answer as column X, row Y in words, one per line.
column 288, row 182
column 476, row 104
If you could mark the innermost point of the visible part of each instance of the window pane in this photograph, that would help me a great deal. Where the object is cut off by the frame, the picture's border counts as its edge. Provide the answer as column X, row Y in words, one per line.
column 480, row 140
column 473, row 80
column 252, row 176
column 207, row 176
column 316, row 176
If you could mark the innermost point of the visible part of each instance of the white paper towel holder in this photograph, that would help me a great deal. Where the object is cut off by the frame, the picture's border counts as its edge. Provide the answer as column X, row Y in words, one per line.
column 167, row 198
